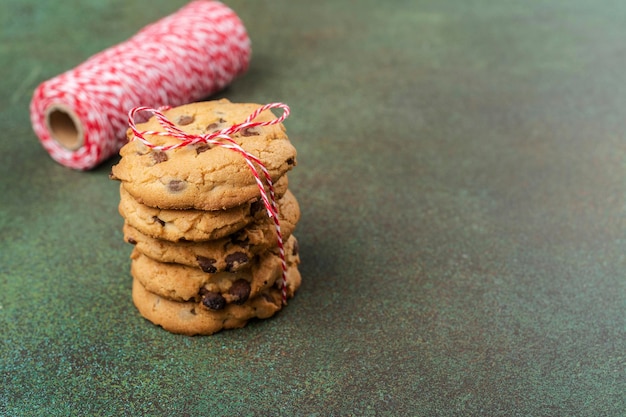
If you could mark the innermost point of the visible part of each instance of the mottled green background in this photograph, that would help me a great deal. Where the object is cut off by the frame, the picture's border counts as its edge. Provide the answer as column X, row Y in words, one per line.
column 462, row 178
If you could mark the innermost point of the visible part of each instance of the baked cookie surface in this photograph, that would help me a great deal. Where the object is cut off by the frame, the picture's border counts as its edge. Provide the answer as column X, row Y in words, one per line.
column 229, row 253
column 201, row 176
column 194, row 318
column 183, row 283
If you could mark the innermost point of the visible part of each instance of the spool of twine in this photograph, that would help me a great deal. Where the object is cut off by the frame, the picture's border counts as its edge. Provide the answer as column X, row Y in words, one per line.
column 80, row 116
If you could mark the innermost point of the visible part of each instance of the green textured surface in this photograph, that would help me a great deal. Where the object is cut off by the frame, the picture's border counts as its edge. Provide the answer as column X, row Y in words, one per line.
column 462, row 171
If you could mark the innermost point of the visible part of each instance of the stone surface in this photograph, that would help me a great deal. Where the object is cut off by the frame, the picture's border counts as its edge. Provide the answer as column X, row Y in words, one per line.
column 461, row 178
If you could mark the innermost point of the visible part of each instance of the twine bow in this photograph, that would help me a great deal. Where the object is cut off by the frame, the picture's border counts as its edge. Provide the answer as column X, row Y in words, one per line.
column 223, row 138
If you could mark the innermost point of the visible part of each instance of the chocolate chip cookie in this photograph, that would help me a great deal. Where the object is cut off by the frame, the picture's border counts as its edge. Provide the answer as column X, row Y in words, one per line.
column 210, row 314
column 183, row 283
column 203, row 176
column 230, row 253
column 194, row 225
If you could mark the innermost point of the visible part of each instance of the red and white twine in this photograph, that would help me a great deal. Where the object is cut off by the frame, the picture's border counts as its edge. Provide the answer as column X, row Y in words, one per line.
column 223, row 139
column 181, row 58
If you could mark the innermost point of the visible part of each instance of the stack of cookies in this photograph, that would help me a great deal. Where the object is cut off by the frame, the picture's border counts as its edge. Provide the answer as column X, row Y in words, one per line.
column 206, row 255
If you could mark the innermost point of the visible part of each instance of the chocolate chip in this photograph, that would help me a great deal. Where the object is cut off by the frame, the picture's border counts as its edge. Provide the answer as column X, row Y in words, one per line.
column 213, row 300
column 239, row 239
column 184, row 119
column 240, row 291
column 176, row 186
column 249, row 131
column 255, row 207
column 236, row 260
column 296, row 248
column 159, row 157
column 215, row 126
column 268, row 298
column 290, row 161
column 131, row 241
column 156, row 219
column 207, row 264
column 202, row 148
column 193, row 311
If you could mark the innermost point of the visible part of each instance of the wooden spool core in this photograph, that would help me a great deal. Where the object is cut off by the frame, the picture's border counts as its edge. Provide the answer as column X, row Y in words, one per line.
column 64, row 127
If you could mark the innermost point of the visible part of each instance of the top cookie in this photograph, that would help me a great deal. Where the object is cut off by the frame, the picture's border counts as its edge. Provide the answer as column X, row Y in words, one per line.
column 200, row 176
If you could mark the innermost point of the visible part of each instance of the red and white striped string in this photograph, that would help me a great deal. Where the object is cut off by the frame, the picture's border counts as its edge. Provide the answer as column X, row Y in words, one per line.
column 181, row 58
column 223, row 139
